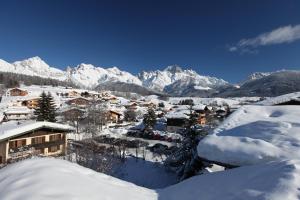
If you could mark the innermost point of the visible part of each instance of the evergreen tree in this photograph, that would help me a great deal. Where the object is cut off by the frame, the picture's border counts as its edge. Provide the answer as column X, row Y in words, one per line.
column 129, row 115
column 185, row 161
column 149, row 119
column 193, row 118
column 45, row 110
column 51, row 108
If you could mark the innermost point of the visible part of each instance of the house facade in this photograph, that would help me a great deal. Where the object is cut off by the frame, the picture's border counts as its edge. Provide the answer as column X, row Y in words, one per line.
column 81, row 102
column 31, row 103
column 19, row 141
column 16, row 92
column 114, row 116
column 17, row 113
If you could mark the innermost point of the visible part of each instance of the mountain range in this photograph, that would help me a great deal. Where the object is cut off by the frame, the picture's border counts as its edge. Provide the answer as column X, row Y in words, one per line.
column 173, row 80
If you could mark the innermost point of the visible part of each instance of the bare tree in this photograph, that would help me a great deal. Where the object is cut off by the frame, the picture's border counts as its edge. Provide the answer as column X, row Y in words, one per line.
column 96, row 116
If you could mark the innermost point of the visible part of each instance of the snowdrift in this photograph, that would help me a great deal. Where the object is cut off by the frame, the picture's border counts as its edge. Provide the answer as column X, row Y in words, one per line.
column 46, row 178
column 255, row 134
column 272, row 181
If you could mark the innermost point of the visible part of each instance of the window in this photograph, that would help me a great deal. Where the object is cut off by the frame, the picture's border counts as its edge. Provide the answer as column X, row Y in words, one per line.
column 55, row 137
column 54, row 148
column 38, row 140
column 17, row 143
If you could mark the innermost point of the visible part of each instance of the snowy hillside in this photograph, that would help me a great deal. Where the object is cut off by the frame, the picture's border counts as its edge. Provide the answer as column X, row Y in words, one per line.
column 280, row 99
column 85, row 75
column 174, row 77
column 46, row 179
column 254, row 134
column 255, row 76
column 274, row 84
column 88, row 75
column 35, row 66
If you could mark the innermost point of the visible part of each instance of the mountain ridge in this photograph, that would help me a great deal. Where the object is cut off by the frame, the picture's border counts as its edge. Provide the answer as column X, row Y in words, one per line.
column 172, row 80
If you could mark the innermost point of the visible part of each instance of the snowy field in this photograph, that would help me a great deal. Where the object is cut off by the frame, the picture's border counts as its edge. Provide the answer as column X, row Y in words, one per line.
column 216, row 101
column 280, row 99
column 255, row 134
column 45, row 179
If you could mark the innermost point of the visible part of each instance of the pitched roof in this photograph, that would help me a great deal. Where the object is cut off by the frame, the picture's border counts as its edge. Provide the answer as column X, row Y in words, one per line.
column 13, row 128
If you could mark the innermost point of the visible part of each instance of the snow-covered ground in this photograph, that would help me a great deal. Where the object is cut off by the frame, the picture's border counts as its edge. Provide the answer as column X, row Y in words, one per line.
column 255, row 134
column 272, row 181
column 45, row 179
column 48, row 179
column 232, row 102
column 146, row 173
column 280, row 99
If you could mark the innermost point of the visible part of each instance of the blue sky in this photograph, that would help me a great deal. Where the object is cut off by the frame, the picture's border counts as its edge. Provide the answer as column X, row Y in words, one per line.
column 227, row 39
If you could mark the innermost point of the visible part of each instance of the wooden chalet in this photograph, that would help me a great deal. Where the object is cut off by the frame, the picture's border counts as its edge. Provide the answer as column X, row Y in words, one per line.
column 114, row 116
column 30, row 103
column 17, row 92
column 21, row 140
column 80, row 101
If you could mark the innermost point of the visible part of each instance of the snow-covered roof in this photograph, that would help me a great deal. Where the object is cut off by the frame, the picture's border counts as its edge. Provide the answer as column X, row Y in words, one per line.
column 276, row 181
column 12, row 128
column 49, row 178
column 178, row 114
column 199, row 107
column 18, row 110
column 254, row 134
column 280, row 99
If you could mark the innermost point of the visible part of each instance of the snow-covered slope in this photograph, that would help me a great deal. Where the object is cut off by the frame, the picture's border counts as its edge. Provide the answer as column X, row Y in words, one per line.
column 255, row 134
column 173, row 77
column 280, row 99
column 272, row 181
column 85, row 75
column 90, row 76
column 35, row 66
column 6, row 67
column 255, row 76
column 47, row 179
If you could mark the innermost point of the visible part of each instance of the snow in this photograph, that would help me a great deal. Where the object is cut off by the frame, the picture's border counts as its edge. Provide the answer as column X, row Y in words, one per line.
column 90, row 76
column 18, row 110
column 160, row 79
column 180, row 111
column 35, row 66
column 208, row 101
column 280, row 99
column 86, row 75
column 199, row 87
column 276, row 181
column 46, row 179
column 146, row 173
column 13, row 128
column 254, row 134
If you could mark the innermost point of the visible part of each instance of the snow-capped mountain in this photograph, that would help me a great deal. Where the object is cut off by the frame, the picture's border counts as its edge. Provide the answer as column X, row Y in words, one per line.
column 85, row 75
column 275, row 84
column 173, row 80
column 35, row 66
column 255, row 76
column 174, row 77
column 88, row 75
